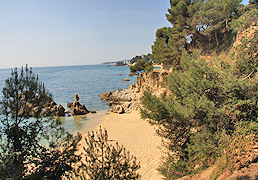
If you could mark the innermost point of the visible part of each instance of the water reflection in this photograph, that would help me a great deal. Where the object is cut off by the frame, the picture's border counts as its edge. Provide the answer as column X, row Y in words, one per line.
column 73, row 123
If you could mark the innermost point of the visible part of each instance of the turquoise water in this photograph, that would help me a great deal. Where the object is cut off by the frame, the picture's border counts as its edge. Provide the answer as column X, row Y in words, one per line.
column 87, row 81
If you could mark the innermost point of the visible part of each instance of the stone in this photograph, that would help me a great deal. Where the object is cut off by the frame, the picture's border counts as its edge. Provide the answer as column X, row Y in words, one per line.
column 69, row 105
column 105, row 96
column 53, row 103
column 76, row 97
column 78, row 111
column 83, row 107
column 60, row 110
column 126, row 79
column 117, row 109
column 76, row 104
column 77, row 108
column 92, row 112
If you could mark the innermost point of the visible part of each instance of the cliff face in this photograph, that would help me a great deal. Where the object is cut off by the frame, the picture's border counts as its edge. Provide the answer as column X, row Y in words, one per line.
column 127, row 100
column 154, row 81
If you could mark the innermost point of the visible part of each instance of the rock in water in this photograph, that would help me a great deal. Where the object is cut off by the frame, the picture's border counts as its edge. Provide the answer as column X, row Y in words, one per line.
column 60, row 110
column 77, row 108
column 76, row 98
column 69, row 105
column 105, row 96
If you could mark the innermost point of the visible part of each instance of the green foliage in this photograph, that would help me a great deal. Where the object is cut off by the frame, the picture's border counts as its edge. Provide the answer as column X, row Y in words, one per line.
column 246, row 55
column 195, row 24
column 23, row 154
column 203, row 148
column 141, row 66
column 214, row 17
column 172, row 170
column 236, row 147
column 171, row 40
column 207, row 97
column 146, row 58
column 253, row 2
column 148, row 67
column 180, row 18
column 107, row 160
column 121, row 63
column 249, row 16
column 165, row 49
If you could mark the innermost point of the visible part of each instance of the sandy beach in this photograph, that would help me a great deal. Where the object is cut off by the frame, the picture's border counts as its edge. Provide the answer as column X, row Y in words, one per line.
column 138, row 137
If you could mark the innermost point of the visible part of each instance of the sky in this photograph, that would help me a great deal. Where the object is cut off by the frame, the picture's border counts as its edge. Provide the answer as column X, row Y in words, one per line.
column 77, row 32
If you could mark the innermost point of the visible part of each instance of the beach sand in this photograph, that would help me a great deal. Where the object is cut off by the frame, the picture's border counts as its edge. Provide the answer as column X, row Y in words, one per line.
column 138, row 137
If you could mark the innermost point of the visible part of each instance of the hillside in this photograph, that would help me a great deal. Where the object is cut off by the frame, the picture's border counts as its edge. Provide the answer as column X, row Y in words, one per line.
column 204, row 99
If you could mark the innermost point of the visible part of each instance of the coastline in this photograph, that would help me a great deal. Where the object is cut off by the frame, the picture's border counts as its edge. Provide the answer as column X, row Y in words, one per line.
column 138, row 137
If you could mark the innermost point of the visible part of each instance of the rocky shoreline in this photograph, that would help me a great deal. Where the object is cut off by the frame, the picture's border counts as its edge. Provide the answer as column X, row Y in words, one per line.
column 128, row 100
column 120, row 101
column 52, row 109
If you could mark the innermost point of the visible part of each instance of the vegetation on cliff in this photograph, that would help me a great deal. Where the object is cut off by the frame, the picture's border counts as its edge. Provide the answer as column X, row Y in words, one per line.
column 145, row 58
column 205, row 25
column 141, row 66
column 213, row 99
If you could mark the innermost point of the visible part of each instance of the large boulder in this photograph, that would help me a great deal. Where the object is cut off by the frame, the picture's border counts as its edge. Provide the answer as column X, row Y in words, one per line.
column 69, row 105
column 77, row 108
column 121, row 101
column 60, row 110
column 105, row 96
column 78, row 111
column 117, row 109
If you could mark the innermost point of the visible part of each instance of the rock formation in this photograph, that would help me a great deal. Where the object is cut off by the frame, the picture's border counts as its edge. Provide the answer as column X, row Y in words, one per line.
column 127, row 100
column 52, row 109
column 77, row 108
column 122, row 101
column 49, row 109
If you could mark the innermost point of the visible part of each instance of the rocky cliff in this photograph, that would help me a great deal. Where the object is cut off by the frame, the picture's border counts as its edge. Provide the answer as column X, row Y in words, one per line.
column 127, row 100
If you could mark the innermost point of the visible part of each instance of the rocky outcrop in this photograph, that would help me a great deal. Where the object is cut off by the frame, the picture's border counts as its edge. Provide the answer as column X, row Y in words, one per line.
column 33, row 109
column 153, row 81
column 127, row 100
column 122, row 101
column 52, row 109
column 119, row 95
column 77, row 108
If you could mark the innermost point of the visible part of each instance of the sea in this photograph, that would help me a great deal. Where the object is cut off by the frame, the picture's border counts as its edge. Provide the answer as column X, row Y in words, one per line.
column 88, row 81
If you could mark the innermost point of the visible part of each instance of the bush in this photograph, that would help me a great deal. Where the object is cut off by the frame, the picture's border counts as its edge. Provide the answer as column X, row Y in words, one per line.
column 105, row 160
column 206, row 98
column 22, row 150
column 141, row 66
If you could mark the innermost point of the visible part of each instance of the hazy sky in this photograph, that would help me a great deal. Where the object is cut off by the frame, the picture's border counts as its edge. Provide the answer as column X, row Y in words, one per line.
column 77, row 32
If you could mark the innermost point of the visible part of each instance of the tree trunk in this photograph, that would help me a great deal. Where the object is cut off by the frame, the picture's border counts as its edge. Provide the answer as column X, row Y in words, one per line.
column 216, row 37
column 227, row 28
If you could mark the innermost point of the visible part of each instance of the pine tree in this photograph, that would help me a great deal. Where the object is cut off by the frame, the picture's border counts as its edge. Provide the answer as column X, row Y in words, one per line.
column 165, row 49
column 23, row 156
column 141, row 66
column 106, row 160
column 214, row 17
column 207, row 97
